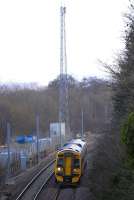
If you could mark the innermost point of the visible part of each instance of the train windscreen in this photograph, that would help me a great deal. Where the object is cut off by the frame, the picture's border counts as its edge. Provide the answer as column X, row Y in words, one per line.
column 76, row 163
column 60, row 162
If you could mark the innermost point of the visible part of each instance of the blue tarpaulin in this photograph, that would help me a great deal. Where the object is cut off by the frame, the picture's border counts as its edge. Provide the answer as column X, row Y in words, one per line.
column 25, row 139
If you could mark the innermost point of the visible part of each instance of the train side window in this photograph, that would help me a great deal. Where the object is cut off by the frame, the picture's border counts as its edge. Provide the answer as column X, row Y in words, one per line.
column 60, row 162
column 79, row 145
column 76, row 163
column 65, row 144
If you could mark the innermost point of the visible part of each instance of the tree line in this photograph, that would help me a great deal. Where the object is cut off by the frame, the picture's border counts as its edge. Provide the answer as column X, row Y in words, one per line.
column 19, row 105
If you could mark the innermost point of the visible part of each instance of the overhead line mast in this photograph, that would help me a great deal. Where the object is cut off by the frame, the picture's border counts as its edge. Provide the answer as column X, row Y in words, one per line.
column 63, row 87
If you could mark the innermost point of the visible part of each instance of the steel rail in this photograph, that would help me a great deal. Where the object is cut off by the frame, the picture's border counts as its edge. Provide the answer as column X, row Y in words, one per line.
column 43, row 185
column 34, row 179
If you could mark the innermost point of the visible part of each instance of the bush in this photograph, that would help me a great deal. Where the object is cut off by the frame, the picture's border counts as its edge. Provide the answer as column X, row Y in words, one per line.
column 127, row 135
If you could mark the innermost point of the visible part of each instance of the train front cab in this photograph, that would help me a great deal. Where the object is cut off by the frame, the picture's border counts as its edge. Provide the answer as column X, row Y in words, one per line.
column 68, row 167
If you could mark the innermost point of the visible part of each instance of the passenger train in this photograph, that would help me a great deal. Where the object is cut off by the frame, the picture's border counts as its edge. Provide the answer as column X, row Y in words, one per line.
column 70, row 162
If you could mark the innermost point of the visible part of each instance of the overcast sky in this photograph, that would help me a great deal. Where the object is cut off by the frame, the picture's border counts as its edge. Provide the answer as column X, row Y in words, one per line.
column 30, row 38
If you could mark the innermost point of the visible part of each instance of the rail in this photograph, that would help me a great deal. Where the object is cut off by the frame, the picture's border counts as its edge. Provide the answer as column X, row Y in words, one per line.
column 43, row 185
column 27, row 187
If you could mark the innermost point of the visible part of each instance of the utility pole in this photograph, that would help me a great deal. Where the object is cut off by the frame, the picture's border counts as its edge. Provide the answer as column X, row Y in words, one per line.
column 8, row 147
column 63, row 87
column 82, row 124
column 37, row 135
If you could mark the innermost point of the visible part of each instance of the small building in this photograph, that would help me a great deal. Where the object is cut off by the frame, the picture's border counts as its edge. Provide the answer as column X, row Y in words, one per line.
column 56, row 129
column 57, row 134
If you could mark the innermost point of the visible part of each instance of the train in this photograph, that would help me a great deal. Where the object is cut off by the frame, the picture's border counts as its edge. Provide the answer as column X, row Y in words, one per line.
column 70, row 162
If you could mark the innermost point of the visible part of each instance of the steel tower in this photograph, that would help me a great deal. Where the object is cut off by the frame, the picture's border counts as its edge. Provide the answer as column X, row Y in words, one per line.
column 63, row 87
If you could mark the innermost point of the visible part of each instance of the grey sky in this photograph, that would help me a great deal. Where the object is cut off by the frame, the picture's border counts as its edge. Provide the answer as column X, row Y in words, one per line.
column 30, row 38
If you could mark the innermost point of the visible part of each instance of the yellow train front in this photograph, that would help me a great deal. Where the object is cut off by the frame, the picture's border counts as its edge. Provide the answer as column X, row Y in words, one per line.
column 70, row 161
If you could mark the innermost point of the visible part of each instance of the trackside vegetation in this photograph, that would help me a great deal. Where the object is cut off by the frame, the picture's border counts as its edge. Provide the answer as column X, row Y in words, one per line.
column 127, row 137
column 121, row 178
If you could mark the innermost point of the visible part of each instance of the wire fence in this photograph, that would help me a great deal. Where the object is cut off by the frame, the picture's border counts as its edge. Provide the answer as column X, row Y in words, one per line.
column 24, row 156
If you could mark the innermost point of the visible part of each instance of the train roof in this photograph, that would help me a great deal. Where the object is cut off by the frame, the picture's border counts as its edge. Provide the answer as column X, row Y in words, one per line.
column 78, row 142
column 71, row 147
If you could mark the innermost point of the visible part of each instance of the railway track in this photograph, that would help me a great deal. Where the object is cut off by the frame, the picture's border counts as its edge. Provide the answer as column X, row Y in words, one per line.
column 43, row 186
column 53, row 193
column 35, row 186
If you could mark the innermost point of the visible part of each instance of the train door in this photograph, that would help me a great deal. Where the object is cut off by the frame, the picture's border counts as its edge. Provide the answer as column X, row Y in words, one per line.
column 68, row 164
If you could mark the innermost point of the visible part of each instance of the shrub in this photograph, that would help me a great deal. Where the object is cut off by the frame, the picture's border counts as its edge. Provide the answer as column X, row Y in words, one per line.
column 127, row 135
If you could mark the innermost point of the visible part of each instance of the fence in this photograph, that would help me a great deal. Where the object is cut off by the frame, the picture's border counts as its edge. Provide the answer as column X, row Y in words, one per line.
column 24, row 156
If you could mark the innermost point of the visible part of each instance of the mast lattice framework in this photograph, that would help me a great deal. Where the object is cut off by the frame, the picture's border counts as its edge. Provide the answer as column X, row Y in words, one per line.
column 63, row 89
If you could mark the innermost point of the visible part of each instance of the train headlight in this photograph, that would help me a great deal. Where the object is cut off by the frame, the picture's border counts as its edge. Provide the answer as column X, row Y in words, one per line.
column 76, row 171
column 59, row 169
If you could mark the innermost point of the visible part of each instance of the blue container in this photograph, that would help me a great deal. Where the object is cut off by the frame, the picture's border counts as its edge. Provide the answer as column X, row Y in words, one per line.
column 21, row 139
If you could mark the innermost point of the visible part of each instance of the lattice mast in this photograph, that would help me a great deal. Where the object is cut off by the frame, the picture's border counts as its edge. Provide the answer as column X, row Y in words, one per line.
column 63, row 90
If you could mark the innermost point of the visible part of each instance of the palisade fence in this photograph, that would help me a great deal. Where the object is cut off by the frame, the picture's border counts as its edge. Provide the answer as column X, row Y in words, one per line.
column 16, row 157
